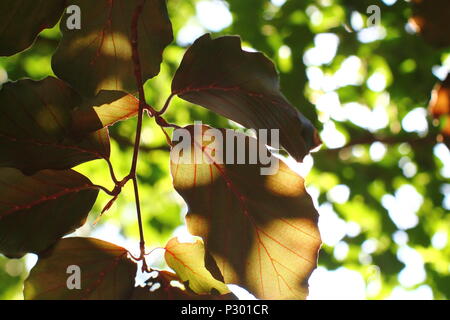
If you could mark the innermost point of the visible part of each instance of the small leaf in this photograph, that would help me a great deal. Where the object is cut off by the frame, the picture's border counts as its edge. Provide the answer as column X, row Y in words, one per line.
column 440, row 101
column 439, row 108
column 244, row 87
column 167, row 291
column 261, row 229
column 35, row 211
column 99, row 56
column 23, row 20
column 35, row 120
column 107, row 108
column 188, row 261
column 106, row 273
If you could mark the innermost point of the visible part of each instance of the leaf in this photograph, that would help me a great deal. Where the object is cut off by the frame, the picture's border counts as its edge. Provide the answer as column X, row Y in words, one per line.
column 105, row 270
column 35, row 120
column 244, row 87
column 440, row 101
column 261, row 229
column 107, row 108
column 37, row 210
column 99, row 56
column 23, row 20
column 439, row 108
column 430, row 18
column 167, row 291
column 188, row 261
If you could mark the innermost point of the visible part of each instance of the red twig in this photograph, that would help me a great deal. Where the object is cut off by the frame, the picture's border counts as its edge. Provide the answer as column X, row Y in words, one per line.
column 142, row 106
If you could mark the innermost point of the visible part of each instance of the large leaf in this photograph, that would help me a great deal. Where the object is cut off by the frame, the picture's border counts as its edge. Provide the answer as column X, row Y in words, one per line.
column 99, row 56
column 36, row 120
column 261, row 229
column 37, row 210
column 105, row 272
column 188, row 261
column 23, row 20
column 107, row 108
column 244, row 87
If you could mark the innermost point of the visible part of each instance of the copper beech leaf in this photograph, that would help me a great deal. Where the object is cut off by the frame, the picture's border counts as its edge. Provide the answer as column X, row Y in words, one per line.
column 261, row 229
column 35, row 211
column 188, row 261
column 107, row 108
column 99, row 55
column 23, row 20
column 35, row 127
column 167, row 291
column 439, row 107
column 244, row 87
column 106, row 272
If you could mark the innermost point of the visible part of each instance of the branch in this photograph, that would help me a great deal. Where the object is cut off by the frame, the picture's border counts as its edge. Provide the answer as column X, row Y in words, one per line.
column 142, row 106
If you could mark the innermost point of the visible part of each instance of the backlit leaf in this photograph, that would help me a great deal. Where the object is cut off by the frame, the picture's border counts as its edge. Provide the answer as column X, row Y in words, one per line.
column 37, row 210
column 439, row 107
column 106, row 273
column 99, row 55
column 188, row 261
column 107, row 108
column 244, row 87
column 23, row 20
column 167, row 291
column 261, row 229
column 35, row 124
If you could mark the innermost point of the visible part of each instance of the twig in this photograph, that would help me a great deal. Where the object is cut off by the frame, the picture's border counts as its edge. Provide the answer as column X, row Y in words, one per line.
column 166, row 105
column 142, row 105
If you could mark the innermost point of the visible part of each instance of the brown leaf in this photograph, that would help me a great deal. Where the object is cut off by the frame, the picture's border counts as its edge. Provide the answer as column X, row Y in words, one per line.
column 439, row 108
column 261, row 229
column 35, row 120
column 106, row 273
column 99, row 56
column 35, row 211
column 23, row 20
column 107, row 108
column 244, row 87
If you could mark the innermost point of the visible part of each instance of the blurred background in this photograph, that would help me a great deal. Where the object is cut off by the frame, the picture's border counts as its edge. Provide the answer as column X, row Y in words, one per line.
column 381, row 182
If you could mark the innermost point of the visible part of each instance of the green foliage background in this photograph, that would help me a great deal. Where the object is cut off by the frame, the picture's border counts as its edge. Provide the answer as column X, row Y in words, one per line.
column 402, row 57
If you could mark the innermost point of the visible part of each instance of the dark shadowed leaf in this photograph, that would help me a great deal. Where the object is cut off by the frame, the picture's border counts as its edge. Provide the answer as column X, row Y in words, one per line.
column 188, row 261
column 431, row 19
column 167, row 291
column 244, row 87
column 106, row 272
column 37, row 210
column 261, row 229
column 107, row 108
column 35, row 120
column 23, row 20
column 99, row 56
